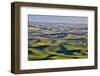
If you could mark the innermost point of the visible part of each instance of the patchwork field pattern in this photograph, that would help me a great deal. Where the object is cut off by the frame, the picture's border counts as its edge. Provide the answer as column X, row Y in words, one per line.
column 57, row 40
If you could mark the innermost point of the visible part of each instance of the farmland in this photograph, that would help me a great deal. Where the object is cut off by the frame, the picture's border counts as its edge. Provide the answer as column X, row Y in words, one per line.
column 53, row 43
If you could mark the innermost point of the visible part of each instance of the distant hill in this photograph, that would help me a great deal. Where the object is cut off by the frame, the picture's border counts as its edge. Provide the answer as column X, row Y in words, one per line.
column 44, row 27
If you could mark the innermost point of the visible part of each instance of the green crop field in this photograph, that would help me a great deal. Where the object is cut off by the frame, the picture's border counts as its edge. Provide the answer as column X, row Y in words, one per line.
column 67, row 47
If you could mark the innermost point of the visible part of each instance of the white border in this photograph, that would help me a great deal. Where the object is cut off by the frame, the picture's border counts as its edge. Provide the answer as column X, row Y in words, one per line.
column 25, row 64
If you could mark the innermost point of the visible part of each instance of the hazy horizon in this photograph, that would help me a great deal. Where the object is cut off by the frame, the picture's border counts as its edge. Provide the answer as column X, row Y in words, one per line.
column 57, row 19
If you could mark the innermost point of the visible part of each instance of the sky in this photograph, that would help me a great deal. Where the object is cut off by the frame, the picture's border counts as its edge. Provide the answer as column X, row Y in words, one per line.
column 57, row 19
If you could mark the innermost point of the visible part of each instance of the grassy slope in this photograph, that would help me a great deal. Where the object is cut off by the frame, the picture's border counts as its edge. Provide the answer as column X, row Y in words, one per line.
column 38, row 54
column 71, row 36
